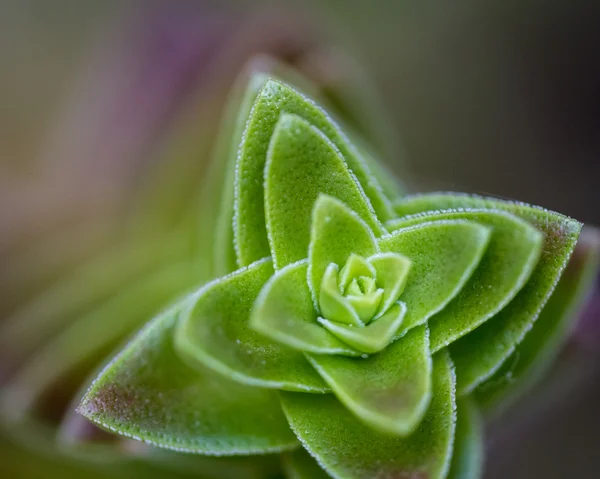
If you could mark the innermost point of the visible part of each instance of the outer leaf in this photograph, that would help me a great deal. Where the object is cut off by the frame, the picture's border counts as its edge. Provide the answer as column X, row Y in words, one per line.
column 337, row 232
column 148, row 393
column 389, row 391
column 103, row 328
column 479, row 354
column 373, row 337
column 532, row 358
column 284, row 311
column 347, row 449
column 467, row 459
column 301, row 164
column 495, row 282
column 220, row 180
column 444, row 254
column 250, row 229
column 300, row 465
column 214, row 331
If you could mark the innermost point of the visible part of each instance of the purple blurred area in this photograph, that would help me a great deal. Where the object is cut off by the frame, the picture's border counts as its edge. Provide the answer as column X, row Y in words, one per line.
column 498, row 98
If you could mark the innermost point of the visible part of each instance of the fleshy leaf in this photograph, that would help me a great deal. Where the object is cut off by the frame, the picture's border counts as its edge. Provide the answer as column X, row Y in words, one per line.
column 347, row 449
column 148, row 393
column 249, row 226
column 214, row 332
column 392, row 273
column 301, row 164
column 332, row 303
column 467, row 458
column 495, row 281
column 388, row 391
column 284, row 311
column 299, row 464
column 337, row 232
column 444, row 254
column 373, row 337
column 479, row 354
column 535, row 354
column 103, row 328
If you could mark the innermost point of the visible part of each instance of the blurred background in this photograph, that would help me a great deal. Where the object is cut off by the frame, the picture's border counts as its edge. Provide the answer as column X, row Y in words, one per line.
column 108, row 112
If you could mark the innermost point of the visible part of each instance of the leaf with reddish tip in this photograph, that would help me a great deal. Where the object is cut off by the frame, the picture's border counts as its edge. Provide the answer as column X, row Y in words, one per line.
column 479, row 354
column 495, row 281
column 347, row 449
column 532, row 358
column 148, row 393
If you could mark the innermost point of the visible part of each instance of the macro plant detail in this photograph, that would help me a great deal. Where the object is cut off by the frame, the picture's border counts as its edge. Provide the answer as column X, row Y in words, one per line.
column 354, row 329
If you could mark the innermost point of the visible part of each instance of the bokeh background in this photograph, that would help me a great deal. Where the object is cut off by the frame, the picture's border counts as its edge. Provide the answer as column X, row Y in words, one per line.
column 498, row 98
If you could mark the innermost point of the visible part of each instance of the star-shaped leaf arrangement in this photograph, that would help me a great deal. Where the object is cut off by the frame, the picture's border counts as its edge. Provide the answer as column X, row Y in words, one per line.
column 354, row 331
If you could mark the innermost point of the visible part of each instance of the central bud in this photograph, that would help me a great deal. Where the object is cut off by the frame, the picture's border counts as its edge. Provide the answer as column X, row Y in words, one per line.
column 359, row 301
column 350, row 295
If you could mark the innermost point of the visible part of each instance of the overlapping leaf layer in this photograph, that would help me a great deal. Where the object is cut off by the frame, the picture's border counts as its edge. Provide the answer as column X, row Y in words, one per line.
column 351, row 324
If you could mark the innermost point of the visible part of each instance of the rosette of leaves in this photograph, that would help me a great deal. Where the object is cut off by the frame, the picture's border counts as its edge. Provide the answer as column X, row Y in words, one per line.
column 348, row 327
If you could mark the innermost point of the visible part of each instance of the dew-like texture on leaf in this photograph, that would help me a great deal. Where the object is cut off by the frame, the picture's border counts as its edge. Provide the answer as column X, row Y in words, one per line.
column 373, row 337
column 388, row 391
column 215, row 331
column 467, row 457
column 148, row 393
column 249, row 223
column 301, row 164
column 347, row 449
column 299, row 464
column 337, row 232
column 284, row 311
column 479, row 354
column 495, row 281
column 443, row 254
column 535, row 354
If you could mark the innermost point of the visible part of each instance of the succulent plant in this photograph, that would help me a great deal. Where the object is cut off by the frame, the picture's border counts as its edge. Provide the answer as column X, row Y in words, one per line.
column 353, row 329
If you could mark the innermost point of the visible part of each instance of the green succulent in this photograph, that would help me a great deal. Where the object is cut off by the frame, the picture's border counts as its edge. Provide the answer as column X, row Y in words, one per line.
column 355, row 330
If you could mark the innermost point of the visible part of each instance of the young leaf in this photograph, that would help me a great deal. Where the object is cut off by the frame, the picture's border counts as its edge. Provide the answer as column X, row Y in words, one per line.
column 388, row 391
column 337, row 232
column 467, row 458
column 391, row 270
column 214, row 332
column 443, row 254
column 301, row 164
column 249, row 226
column 373, row 337
column 495, row 281
column 284, row 312
column 479, row 354
column 148, row 393
column 347, row 449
